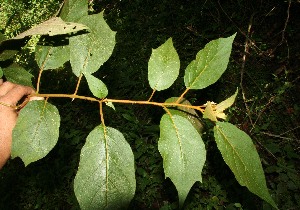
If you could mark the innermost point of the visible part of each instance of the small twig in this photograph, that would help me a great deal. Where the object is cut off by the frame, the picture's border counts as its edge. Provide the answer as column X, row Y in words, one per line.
column 246, row 52
column 151, row 95
column 262, row 111
column 78, row 83
column 198, row 108
column 182, row 95
column 279, row 136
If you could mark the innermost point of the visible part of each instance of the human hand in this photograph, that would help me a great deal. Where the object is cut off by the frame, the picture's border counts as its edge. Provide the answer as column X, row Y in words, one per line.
column 10, row 95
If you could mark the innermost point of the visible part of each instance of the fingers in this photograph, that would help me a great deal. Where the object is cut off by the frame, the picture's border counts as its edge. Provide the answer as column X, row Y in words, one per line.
column 5, row 87
column 12, row 93
column 1, row 81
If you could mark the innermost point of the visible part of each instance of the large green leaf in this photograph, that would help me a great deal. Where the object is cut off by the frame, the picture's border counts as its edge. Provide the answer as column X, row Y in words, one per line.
column 97, row 87
column 240, row 155
column 73, row 10
column 36, row 131
column 89, row 51
column 17, row 74
column 51, row 57
column 52, row 27
column 183, row 153
column 106, row 174
column 187, row 113
column 163, row 66
column 209, row 65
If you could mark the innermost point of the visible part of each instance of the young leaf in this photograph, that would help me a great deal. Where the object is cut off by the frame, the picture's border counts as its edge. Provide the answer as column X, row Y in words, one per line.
column 90, row 51
column 209, row 112
column 51, row 57
column 209, row 65
column 73, row 10
column 240, row 155
column 106, row 176
column 17, row 74
column 111, row 105
column 187, row 113
column 183, row 153
column 52, row 27
column 97, row 87
column 36, row 131
column 226, row 103
column 163, row 66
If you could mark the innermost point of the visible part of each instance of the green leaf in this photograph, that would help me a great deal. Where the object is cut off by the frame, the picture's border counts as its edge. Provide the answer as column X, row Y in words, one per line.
column 1, row 73
column 163, row 66
column 209, row 65
column 51, row 57
column 187, row 113
column 6, row 54
column 209, row 112
column 17, row 74
column 97, row 87
column 111, row 105
column 90, row 51
column 226, row 103
column 183, row 153
column 52, row 27
column 36, row 131
column 106, row 174
column 241, row 156
column 73, row 10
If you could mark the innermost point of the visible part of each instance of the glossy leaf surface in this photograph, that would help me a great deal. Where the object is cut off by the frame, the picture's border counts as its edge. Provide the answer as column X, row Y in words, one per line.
column 51, row 57
column 209, row 65
column 163, row 66
column 89, row 51
column 241, row 156
column 106, row 174
column 183, row 153
column 17, row 74
column 97, row 87
column 52, row 27
column 36, row 131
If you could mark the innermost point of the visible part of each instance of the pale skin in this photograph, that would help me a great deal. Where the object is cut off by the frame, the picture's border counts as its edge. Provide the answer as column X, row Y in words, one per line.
column 10, row 94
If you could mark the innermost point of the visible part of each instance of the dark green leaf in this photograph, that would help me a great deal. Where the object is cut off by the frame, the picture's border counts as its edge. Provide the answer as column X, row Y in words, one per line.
column 97, row 87
column 52, row 27
column 6, row 54
column 17, row 74
column 89, row 51
column 183, row 153
column 187, row 113
column 36, row 131
column 209, row 65
column 241, row 156
column 163, row 66
column 73, row 10
column 51, row 57
column 1, row 73
column 106, row 174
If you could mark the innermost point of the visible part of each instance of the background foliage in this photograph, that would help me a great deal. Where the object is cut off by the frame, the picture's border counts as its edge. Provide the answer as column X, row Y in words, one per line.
column 270, row 82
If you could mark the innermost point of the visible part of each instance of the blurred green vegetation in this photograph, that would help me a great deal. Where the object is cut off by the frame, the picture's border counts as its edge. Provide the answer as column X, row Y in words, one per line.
column 269, row 111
